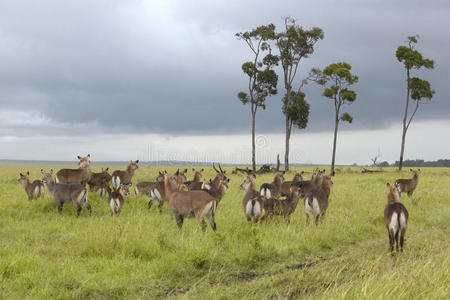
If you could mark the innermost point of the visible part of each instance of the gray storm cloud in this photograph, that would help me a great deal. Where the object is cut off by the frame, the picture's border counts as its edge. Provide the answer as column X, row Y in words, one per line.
column 174, row 66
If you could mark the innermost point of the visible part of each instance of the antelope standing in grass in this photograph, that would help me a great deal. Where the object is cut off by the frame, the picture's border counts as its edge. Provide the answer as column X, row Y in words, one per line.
column 272, row 190
column 124, row 177
column 286, row 186
column 307, row 186
column 188, row 204
column 34, row 190
column 285, row 207
column 80, row 175
column 253, row 202
column 220, row 175
column 408, row 185
column 117, row 198
column 100, row 182
column 196, row 183
column 217, row 192
column 145, row 187
column 395, row 216
column 66, row 192
column 316, row 200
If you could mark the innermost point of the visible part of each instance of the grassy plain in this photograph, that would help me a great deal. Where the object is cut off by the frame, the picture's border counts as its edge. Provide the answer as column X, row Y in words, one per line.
column 142, row 254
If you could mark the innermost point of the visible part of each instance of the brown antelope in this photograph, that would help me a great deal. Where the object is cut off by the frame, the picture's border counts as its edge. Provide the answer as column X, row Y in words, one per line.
column 272, row 190
column 220, row 175
column 34, row 190
column 119, row 176
column 145, row 187
column 286, row 186
column 80, row 175
column 180, row 176
column 316, row 200
column 66, row 192
column 253, row 202
column 216, row 192
column 117, row 198
column 286, row 207
column 395, row 216
column 100, row 182
column 408, row 185
column 188, row 204
column 196, row 183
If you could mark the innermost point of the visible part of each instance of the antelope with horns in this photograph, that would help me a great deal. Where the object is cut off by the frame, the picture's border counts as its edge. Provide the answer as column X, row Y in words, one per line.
column 80, row 175
column 286, row 186
column 408, row 185
column 395, row 216
column 117, row 198
column 66, row 192
column 316, row 200
column 196, row 183
column 253, row 202
column 145, row 187
column 34, row 190
column 100, row 182
column 124, row 177
column 282, row 207
column 272, row 190
column 220, row 175
column 188, row 204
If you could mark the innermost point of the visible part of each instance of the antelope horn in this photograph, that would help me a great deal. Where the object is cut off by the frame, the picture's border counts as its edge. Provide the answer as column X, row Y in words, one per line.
column 221, row 169
column 214, row 167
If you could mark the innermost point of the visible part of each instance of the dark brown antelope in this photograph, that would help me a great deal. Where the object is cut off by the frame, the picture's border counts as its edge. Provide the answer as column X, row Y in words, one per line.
column 253, row 202
column 188, row 204
column 196, row 183
column 286, row 186
column 124, row 177
column 316, row 200
column 409, row 185
column 285, row 207
column 117, row 198
column 395, row 216
column 145, row 187
column 34, row 190
column 80, row 175
column 100, row 182
column 66, row 192
column 272, row 190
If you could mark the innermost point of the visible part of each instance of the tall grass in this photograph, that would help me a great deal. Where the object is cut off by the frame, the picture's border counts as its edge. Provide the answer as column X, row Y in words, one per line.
column 142, row 254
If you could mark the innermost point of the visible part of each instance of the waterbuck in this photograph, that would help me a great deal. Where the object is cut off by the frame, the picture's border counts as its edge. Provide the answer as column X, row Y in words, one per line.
column 188, row 204
column 286, row 186
column 196, row 183
column 119, row 176
column 217, row 192
column 395, row 216
column 220, row 175
column 66, row 192
column 272, row 190
column 316, row 200
column 408, row 185
column 117, row 198
column 145, row 187
column 285, row 207
column 100, row 181
column 253, row 202
column 80, row 175
column 34, row 190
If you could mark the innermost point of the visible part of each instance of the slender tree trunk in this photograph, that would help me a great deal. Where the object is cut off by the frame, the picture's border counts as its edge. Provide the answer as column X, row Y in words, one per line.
column 288, row 137
column 336, row 124
column 278, row 162
column 402, row 149
column 253, row 140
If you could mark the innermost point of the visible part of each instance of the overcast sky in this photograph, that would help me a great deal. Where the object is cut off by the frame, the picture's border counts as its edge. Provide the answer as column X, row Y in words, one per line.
column 158, row 79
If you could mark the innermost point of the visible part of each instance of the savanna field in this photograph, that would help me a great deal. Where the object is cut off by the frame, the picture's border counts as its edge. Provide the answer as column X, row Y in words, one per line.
column 142, row 254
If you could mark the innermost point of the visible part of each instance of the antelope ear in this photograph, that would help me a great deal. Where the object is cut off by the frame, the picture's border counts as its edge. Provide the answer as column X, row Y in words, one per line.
column 78, row 157
column 106, row 170
column 411, row 170
column 185, row 170
column 28, row 172
column 387, row 184
column 202, row 170
column 21, row 175
column 137, row 161
column 42, row 171
column 88, row 155
column 302, row 172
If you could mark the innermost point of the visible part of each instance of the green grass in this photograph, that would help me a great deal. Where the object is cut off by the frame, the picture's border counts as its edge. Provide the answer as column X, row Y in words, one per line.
column 142, row 254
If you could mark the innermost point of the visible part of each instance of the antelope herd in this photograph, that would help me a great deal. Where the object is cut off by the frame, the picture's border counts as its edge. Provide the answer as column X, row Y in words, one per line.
column 200, row 198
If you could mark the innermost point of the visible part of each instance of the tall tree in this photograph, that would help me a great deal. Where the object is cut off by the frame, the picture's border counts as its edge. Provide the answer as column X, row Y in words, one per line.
column 416, row 88
column 262, row 79
column 336, row 78
column 294, row 44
